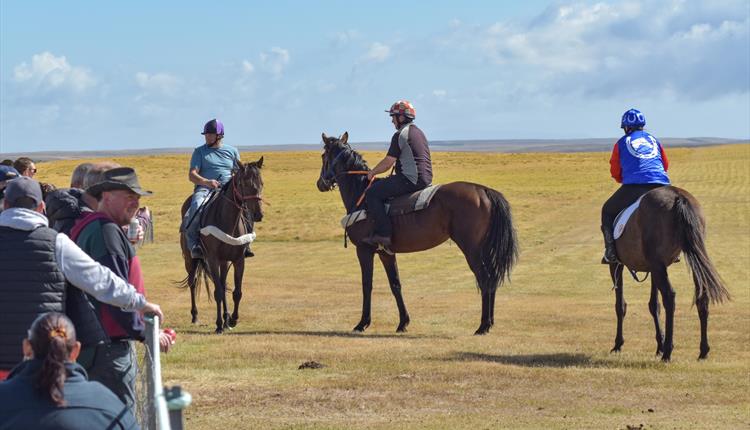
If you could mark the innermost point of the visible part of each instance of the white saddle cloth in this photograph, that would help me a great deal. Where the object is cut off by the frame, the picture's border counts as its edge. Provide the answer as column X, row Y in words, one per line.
column 623, row 217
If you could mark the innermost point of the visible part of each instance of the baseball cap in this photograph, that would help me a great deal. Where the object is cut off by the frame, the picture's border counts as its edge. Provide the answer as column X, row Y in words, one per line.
column 23, row 187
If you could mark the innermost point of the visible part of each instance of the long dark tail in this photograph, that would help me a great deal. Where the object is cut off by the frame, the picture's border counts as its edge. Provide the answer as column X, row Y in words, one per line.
column 201, row 274
column 500, row 246
column 691, row 230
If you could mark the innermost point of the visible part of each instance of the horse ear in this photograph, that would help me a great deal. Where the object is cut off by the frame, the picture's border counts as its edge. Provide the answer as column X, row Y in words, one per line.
column 344, row 137
column 325, row 138
column 259, row 163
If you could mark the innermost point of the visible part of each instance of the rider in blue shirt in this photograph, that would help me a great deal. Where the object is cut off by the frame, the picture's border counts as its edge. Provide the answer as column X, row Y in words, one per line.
column 640, row 164
column 211, row 167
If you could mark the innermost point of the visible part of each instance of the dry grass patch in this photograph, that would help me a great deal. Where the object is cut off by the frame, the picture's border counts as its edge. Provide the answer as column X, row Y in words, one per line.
column 544, row 365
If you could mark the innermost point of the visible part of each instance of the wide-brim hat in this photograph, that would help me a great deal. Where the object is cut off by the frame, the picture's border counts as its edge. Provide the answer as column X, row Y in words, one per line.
column 119, row 178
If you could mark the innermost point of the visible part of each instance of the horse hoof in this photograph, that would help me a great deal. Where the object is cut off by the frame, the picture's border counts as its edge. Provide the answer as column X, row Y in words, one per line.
column 401, row 329
column 481, row 331
column 219, row 331
column 360, row 328
column 615, row 349
column 704, row 353
column 195, row 321
column 232, row 323
column 666, row 359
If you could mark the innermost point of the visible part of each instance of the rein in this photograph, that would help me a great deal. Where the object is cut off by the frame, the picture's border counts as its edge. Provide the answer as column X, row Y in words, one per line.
column 359, row 172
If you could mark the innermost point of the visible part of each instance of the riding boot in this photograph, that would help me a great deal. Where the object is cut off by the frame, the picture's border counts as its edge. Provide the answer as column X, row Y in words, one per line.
column 193, row 244
column 248, row 253
column 610, row 252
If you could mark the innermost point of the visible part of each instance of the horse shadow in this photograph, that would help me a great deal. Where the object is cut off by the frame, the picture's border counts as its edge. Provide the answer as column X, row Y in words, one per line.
column 553, row 360
column 341, row 334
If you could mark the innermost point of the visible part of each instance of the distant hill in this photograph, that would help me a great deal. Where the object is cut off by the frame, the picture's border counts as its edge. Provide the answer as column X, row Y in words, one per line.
column 502, row 145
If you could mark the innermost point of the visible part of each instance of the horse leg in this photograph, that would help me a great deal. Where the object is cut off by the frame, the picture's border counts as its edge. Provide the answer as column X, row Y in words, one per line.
column 366, row 256
column 621, row 307
column 653, row 307
column 492, row 307
column 391, row 269
column 239, row 269
column 661, row 280
column 218, row 292
column 192, row 284
column 484, row 326
column 224, row 272
column 702, row 304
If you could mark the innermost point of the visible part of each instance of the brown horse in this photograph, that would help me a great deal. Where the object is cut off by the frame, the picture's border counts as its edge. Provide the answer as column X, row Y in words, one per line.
column 234, row 210
column 475, row 217
column 667, row 221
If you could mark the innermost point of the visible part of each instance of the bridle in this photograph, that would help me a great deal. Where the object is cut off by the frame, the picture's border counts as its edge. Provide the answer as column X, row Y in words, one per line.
column 240, row 200
column 331, row 176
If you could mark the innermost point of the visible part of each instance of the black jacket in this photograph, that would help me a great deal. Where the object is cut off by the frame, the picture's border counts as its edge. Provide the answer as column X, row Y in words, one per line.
column 89, row 405
column 30, row 285
column 64, row 207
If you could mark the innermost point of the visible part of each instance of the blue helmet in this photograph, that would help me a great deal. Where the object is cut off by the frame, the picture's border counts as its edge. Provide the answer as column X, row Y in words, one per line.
column 633, row 118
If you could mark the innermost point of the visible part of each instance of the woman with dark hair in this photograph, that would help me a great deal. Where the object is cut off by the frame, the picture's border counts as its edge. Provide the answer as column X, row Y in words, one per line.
column 48, row 390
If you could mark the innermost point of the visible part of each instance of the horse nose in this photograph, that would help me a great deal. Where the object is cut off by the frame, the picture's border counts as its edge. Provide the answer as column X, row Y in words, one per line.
column 258, row 216
column 323, row 185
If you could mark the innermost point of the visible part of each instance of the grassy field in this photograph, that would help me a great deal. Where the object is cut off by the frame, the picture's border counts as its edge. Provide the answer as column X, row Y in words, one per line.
column 546, row 363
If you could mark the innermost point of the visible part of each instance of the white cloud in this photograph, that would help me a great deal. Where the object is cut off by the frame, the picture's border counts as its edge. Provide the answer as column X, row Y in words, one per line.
column 275, row 61
column 48, row 72
column 439, row 93
column 247, row 66
column 648, row 47
column 162, row 83
column 378, row 53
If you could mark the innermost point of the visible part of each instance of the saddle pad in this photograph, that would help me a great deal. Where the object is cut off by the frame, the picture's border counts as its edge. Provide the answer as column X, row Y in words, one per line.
column 623, row 217
column 401, row 205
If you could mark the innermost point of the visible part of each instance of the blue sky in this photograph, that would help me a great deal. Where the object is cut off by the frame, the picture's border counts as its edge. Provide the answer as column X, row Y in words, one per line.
column 89, row 75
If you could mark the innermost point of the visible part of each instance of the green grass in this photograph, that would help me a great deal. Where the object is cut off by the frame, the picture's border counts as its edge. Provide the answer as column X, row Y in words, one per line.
column 544, row 365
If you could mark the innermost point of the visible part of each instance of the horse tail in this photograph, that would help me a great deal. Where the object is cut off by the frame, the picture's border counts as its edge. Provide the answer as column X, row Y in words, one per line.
column 200, row 274
column 500, row 245
column 692, row 235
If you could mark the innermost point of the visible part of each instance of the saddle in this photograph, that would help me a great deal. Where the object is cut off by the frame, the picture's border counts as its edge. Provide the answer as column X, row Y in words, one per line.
column 397, row 206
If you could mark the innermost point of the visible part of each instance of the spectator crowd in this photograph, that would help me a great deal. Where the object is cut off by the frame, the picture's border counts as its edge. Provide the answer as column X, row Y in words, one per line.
column 72, row 297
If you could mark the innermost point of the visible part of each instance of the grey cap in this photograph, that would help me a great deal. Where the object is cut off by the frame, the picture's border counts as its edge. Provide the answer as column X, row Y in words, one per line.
column 23, row 186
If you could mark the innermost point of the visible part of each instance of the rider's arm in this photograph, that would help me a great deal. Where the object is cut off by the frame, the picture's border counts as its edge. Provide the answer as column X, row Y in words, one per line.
column 664, row 160
column 382, row 167
column 200, row 180
column 614, row 164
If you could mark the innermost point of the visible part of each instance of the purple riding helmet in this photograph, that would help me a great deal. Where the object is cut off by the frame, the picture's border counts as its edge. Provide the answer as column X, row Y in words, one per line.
column 214, row 126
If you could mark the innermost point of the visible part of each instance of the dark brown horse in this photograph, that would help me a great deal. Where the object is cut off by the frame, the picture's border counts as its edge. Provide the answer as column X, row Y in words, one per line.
column 667, row 221
column 234, row 211
column 475, row 217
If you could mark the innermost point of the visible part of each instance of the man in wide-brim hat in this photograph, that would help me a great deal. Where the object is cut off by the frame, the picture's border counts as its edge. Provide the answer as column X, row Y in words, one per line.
column 107, row 335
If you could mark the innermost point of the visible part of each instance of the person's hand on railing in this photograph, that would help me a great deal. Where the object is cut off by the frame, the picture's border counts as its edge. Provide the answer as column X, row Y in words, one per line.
column 153, row 308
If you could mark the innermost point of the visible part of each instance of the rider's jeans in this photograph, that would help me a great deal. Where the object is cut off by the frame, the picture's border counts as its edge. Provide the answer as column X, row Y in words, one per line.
column 199, row 196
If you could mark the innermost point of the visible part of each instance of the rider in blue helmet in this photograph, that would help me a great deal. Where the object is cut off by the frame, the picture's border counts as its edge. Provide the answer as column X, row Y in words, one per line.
column 210, row 168
column 639, row 163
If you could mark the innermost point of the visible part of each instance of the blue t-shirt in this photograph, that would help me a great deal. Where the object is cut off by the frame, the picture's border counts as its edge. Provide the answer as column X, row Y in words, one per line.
column 215, row 163
column 641, row 159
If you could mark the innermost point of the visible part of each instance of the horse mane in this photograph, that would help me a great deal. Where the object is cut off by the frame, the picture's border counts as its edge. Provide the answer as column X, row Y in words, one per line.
column 355, row 160
column 357, row 183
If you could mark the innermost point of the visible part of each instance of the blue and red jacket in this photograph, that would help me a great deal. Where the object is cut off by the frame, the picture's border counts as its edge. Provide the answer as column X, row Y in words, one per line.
column 639, row 158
